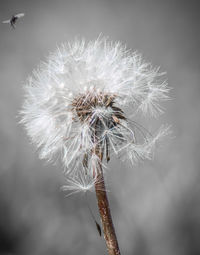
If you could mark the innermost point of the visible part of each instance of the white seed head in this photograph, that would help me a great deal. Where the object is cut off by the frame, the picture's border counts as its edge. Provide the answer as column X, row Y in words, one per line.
column 79, row 99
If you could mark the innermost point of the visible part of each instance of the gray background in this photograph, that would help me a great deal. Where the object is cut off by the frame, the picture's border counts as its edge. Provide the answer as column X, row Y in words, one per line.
column 156, row 205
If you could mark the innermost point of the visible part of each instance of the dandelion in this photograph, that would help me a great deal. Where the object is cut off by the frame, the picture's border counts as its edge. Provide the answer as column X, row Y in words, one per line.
column 80, row 106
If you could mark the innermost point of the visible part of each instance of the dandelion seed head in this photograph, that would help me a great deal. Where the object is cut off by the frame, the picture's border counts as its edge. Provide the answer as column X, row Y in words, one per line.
column 78, row 99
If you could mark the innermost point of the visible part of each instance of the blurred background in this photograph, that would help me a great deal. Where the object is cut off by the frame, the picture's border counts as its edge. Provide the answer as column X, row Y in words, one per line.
column 155, row 205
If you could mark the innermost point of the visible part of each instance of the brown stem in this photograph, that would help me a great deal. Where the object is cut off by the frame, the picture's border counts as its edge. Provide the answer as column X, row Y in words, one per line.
column 105, row 214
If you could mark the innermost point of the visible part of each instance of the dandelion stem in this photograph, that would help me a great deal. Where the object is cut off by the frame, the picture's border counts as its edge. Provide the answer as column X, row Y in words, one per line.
column 104, row 210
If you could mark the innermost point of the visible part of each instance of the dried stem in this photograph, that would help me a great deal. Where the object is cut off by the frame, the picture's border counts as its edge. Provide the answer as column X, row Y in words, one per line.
column 84, row 106
column 104, row 210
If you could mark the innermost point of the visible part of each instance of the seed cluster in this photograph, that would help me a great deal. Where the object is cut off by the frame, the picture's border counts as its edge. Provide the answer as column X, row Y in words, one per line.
column 86, row 104
column 98, row 110
column 74, row 105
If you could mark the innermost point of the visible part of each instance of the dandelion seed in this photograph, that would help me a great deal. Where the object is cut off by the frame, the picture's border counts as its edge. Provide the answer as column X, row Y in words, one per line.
column 69, row 113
